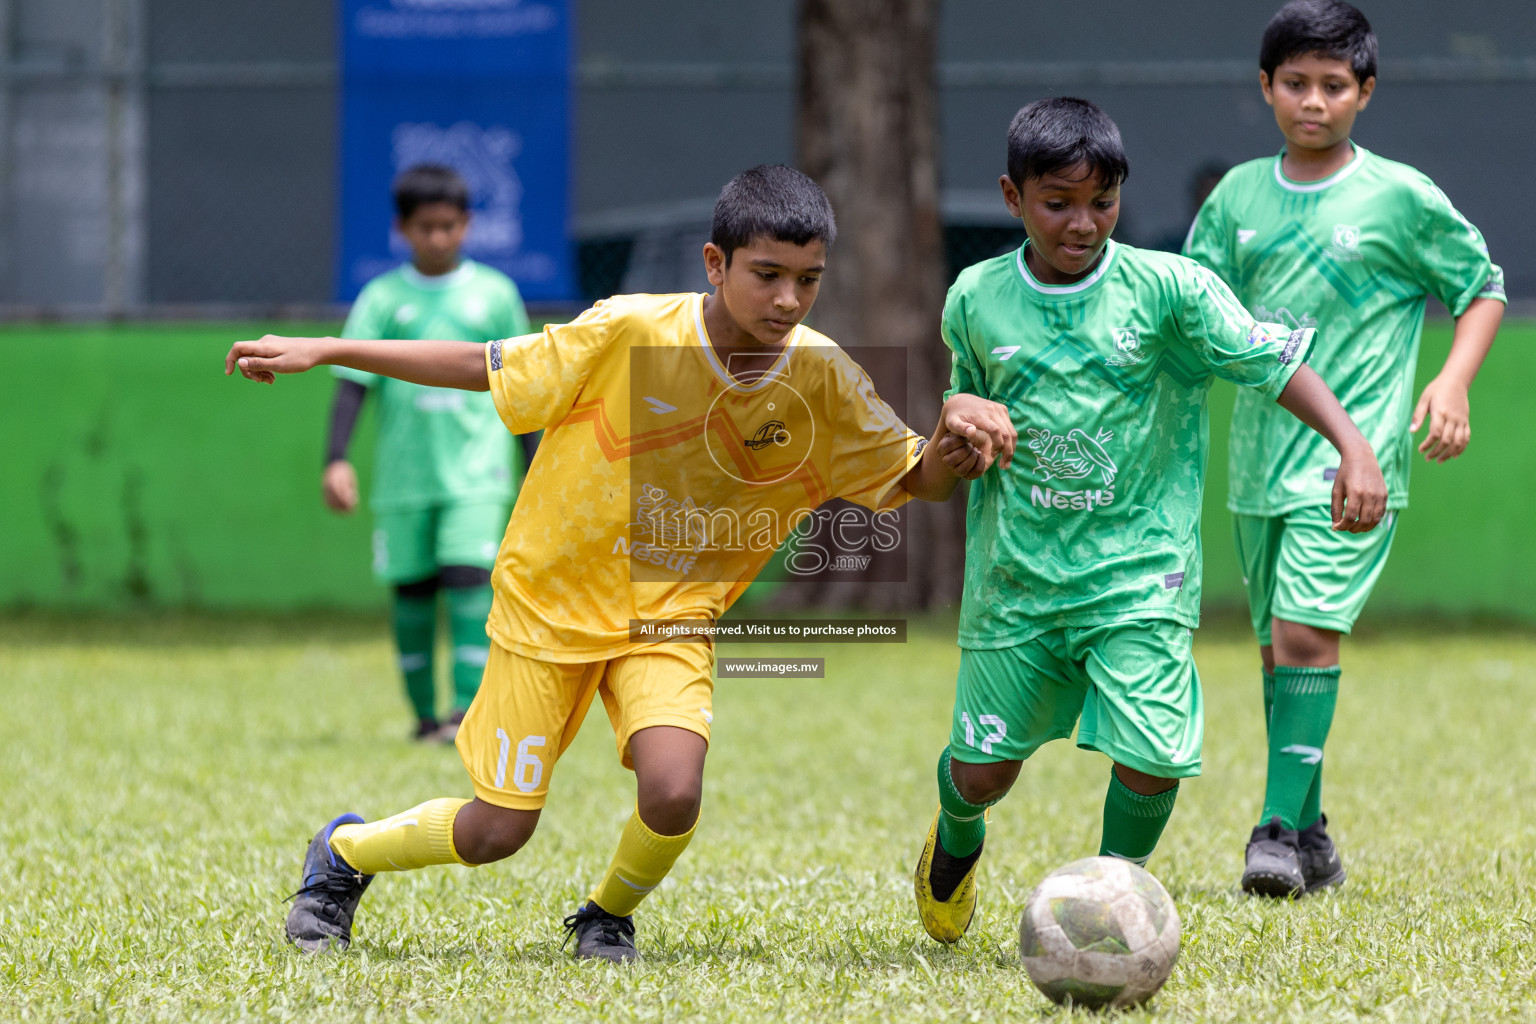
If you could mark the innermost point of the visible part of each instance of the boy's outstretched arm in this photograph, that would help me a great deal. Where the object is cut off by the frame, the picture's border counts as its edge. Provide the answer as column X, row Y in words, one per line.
column 972, row 433
column 1359, row 491
column 439, row 364
column 1444, row 401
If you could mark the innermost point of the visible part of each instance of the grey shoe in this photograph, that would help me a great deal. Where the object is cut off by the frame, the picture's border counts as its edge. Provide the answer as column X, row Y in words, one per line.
column 1273, row 865
column 1320, row 863
column 321, row 916
column 600, row 935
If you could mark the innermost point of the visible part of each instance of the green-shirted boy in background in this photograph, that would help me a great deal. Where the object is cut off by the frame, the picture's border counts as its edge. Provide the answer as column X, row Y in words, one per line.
column 442, row 482
column 1328, row 233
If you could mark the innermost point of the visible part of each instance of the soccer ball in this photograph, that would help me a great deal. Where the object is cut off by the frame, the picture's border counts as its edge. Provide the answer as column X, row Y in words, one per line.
column 1100, row 932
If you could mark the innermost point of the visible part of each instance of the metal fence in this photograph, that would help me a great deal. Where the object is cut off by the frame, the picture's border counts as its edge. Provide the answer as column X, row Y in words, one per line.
column 181, row 154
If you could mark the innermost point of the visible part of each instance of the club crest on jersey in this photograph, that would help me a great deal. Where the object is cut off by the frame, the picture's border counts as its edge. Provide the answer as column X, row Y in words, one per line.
column 1128, row 351
column 1346, row 244
column 1072, row 456
column 772, row 432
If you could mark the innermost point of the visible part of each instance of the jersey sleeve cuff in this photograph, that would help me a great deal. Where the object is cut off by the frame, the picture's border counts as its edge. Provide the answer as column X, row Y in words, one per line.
column 896, row 494
column 498, row 387
column 1293, row 355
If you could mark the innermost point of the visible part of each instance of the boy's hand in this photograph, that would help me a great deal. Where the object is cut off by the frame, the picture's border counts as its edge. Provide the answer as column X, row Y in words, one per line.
column 984, row 425
column 338, row 485
column 262, row 360
column 1359, row 491
column 964, row 461
column 1444, row 403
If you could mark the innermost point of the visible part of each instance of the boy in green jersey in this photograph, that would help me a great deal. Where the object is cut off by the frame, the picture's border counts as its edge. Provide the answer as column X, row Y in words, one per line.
column 1329, row 233
column 442, row 482
column 1082, row 569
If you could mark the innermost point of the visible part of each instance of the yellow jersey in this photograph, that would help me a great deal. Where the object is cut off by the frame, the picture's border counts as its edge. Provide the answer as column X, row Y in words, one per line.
column 664, row 483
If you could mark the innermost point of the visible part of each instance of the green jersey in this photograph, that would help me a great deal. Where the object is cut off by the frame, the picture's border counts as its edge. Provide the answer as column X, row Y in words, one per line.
column 1356, row 252
column 437, row 445
column 1098, row 518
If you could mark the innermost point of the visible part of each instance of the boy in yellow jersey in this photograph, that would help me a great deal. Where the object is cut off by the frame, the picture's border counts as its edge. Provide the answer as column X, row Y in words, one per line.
column 685, row 437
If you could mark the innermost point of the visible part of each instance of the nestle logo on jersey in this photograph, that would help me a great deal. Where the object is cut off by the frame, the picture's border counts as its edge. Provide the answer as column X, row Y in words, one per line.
column 1072, row 456
column 1082, row 501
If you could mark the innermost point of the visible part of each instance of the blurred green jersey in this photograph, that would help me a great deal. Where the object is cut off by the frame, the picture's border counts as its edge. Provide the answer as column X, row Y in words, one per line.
column 1354, row 254
column 437, row 445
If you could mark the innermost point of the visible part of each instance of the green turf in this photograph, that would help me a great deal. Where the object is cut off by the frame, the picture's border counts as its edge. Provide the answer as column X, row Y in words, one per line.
column 162, row 779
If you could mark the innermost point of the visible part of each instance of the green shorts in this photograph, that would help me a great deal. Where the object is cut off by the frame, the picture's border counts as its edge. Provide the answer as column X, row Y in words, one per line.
column 1298, row 568
column 412, row 544
column 1133, row 684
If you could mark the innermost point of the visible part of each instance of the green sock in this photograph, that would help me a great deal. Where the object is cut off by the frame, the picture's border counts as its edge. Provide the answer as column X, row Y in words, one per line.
column 1269, row 698
column 415, row 623
column 1312, row 806
column 962, row 824
column 468, row 608
column 1304, row 703
column 1133, row 823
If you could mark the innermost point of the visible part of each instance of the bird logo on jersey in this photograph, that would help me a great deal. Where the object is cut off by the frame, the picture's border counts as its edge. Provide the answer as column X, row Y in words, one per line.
column 1073, row 455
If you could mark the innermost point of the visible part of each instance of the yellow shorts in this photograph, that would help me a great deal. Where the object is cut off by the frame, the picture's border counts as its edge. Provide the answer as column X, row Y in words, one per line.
column 527, row 712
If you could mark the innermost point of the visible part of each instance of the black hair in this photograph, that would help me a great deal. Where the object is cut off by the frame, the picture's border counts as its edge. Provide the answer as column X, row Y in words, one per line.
column 417, row 186
column 1328, row 28
column 1057, row 134
column 771, row 201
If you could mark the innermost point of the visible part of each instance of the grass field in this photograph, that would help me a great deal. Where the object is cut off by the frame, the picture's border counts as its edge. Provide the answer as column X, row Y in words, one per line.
column 163, row 776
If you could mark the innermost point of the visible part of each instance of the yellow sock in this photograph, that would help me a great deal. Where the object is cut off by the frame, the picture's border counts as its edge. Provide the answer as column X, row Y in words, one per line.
column 415, row 838
column 639, row 864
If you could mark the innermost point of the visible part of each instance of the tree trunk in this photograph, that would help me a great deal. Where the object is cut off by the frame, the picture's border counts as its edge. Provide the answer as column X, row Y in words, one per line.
column 867, row 133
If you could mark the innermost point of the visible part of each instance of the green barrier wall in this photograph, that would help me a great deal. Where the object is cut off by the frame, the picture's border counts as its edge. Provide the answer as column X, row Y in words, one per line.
column 135, row 472
column 132, row 472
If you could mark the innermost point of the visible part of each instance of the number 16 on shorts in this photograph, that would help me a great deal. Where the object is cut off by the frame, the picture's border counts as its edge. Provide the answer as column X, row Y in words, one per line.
column 527, row 769
column 997, row 731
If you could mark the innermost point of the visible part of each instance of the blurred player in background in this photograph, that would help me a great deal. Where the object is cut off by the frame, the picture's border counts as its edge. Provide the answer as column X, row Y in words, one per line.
column 1082, row 559
column 751, row 421
column 1202, row 182
column 1330, row 233
column 442, row 479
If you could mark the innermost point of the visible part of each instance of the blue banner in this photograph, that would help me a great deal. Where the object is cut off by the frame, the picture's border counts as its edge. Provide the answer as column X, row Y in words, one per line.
column 480, row 85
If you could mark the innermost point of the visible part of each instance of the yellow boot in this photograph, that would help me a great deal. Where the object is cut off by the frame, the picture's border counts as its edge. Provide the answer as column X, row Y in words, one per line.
column 946, row 921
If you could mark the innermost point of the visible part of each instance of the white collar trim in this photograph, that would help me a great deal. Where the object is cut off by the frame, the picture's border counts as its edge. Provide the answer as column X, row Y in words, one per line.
column 1066, row 289
column 1322, row 183
column 458, row 275
column 774, row 371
